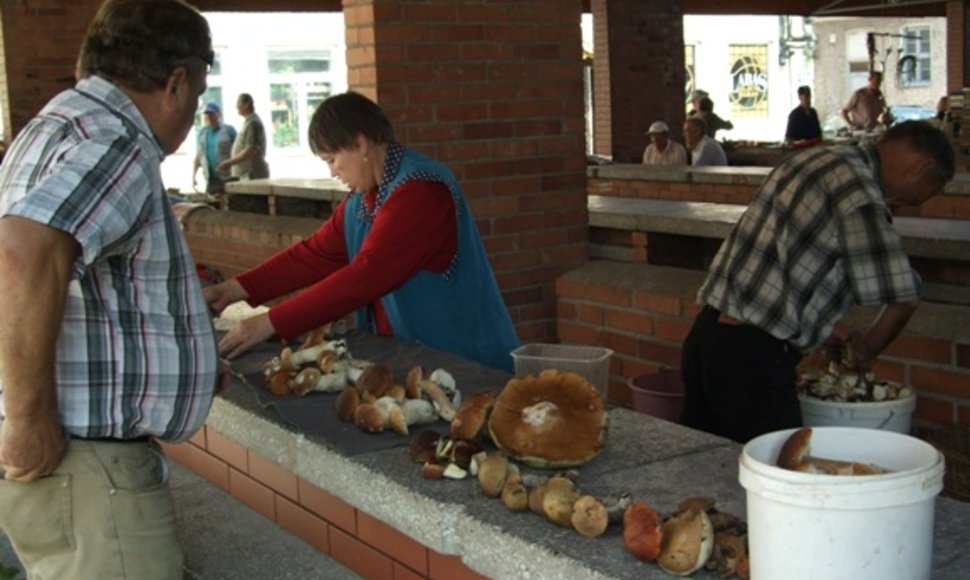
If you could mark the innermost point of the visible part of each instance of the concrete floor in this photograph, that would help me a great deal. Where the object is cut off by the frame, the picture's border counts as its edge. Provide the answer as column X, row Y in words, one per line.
column 225, row 540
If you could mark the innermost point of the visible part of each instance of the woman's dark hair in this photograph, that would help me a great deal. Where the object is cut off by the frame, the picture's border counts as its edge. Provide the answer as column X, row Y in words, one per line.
column 926, row 139
column 339, row 119
column 137, row 43
column 706, row 105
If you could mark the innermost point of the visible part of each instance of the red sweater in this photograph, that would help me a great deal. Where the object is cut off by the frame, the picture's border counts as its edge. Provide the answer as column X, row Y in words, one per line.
column 415, row 229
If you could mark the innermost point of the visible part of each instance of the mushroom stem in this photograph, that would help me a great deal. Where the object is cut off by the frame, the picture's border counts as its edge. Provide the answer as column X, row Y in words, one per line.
column 446, row 410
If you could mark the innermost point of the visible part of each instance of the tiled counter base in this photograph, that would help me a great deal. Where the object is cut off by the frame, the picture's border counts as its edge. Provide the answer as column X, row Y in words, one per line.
column 373, row 513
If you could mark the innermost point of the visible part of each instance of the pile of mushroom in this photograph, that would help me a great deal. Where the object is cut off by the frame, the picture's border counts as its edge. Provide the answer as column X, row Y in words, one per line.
column 324, row 366
column 556, row 498
column 375, row 402
column 696, row 536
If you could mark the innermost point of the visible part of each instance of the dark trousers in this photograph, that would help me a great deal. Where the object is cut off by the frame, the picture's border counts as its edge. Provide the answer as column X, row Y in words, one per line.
column 739, row 380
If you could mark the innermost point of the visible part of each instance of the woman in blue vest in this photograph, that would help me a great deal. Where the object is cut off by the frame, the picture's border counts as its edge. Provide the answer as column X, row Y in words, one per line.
column 402, row 249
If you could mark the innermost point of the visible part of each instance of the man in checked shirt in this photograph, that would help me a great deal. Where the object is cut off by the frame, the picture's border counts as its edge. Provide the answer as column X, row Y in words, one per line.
column 816, row 239
column 106, row 343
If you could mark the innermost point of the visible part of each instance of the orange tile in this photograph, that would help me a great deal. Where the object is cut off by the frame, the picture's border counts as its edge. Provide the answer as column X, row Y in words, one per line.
column 444, row 567
column 309, row 527
column 392, row 542
column 211, row 468
column 405, row 573
column 228, row 450
column 329, row 507
column 181, row 452
column 252, row 493
column 273, row 475
column 358, row 556
column 199, row 437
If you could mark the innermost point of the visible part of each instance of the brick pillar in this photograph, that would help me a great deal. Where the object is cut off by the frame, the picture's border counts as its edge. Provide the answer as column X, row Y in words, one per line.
column 638, row 71
column 957, row 39
column 41, row 40
column 494, row 90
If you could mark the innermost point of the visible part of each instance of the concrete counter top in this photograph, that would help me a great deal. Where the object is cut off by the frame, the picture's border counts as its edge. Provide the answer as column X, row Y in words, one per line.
column 653, row 460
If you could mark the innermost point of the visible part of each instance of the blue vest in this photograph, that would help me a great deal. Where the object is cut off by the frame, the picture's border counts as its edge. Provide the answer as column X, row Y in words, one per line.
column 459, row 310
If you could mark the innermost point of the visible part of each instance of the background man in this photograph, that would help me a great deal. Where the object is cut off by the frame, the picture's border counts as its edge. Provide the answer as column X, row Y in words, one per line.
column 867, row 105
column 213, row 146
column 248, row 159
column 662, row 150
column 803, row 127
column 816, row 238
column 105, row 338
column 703, row 150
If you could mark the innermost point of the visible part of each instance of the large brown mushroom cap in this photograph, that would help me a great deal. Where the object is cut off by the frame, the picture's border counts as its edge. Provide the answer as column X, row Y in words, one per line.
column 557, row 419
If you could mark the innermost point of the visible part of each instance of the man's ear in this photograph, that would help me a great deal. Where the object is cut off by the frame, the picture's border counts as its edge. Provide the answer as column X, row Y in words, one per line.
column 177, row 87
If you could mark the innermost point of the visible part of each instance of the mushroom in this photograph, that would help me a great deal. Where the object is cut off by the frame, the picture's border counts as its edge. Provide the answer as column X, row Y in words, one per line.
column 432, row 470
column 423, row 446
column 592, row 515
column 492, row 472
column 537, row 492
column 642, row 533
column 515, row 496
column 446, row 409
column 559, row 499
column 462, row 452
column 375, row 380
column 688, row 539
column 392, row 413
column 729, row 551
column 294, row 360
column 418, row 412
column 369, row 419
column 471, row 415
column 347, row 403
column 555, row 419
column 412, row 386
column 279, row 382
column 311, row 379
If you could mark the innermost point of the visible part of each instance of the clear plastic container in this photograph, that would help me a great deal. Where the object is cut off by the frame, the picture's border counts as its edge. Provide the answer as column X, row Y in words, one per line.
column 591, row 362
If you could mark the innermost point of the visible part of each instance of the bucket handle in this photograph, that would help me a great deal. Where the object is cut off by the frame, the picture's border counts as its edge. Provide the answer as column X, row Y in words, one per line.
column 888, row 418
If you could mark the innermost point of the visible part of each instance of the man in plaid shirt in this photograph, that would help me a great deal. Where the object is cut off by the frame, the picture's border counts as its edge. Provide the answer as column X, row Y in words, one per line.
column 816, row 239
column 106, row 342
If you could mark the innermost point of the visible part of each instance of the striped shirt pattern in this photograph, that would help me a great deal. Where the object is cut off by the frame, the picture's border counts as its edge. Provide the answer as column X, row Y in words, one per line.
column 137, row 351
column 817, row 238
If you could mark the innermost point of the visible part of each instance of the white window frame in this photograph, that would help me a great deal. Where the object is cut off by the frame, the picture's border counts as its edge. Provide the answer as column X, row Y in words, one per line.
column 921, row 53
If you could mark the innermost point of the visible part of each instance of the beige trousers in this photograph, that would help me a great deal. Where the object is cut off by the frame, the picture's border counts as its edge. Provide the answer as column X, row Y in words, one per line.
column 105, row 514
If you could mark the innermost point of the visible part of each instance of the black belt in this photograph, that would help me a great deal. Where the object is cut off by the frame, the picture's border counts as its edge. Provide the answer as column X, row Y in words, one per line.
column 711, row 315
column 142, row 439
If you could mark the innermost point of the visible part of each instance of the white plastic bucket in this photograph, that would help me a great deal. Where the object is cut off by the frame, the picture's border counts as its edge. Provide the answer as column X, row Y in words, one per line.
column 871, row 527
column 895, row 415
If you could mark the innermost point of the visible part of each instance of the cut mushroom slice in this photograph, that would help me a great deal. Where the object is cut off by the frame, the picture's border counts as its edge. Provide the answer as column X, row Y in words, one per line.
column 442, row 403
column 294, row 360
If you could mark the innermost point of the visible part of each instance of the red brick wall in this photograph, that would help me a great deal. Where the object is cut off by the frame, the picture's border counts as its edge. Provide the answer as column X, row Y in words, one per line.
column 956, row 66
column 644, row 313
column 360, row 542
column 494, row 90
column 638, row 72
column 41, row 41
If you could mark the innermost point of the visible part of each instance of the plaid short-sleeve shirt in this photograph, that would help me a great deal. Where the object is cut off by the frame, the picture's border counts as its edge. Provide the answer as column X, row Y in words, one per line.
column 817, row 238
column 137, row 351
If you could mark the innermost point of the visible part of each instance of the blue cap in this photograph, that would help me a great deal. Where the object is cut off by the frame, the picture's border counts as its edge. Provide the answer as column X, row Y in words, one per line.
column 212, row 107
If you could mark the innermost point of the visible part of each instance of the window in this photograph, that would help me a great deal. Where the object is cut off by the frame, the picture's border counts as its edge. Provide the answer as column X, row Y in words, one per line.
column 913, row 68
column 299, row 81
column 749, row 80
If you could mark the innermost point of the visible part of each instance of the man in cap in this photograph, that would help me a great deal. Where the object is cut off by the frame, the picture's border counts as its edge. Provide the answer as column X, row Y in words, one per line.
column 214, row 145
column 662, row 150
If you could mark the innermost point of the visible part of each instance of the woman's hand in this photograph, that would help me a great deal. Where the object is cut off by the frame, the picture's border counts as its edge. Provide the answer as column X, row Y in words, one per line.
column 246, row 334
column 223, row 294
